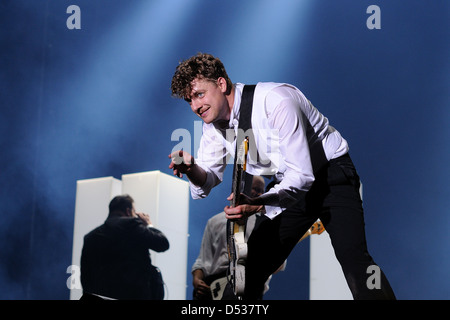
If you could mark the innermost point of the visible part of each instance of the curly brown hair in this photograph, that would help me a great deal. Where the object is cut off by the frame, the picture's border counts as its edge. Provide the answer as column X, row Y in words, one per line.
column 203, row 66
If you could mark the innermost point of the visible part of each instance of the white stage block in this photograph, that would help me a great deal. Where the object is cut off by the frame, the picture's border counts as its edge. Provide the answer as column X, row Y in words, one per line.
column 166, row 199
column 326, row 278
column 163, row 197
column 91, row 210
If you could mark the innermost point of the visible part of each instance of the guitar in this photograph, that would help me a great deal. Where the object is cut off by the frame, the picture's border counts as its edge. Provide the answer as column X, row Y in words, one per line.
column 237, row 247
column 316, row 228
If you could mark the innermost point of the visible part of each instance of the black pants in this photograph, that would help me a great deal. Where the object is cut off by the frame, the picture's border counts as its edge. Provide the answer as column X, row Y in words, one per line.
column 334, row 198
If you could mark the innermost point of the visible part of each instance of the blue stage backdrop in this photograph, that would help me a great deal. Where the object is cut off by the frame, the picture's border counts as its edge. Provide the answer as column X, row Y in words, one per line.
column 84, row 93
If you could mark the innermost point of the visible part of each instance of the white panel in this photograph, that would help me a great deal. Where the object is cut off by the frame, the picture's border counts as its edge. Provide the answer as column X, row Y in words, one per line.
column 91, row 210
column 166, row 199
column 327, row 281
column 173, row 265
column 144, row 189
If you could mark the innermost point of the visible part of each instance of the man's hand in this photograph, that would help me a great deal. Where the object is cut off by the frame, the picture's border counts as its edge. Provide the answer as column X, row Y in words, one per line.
column 181, row 163
column 144, row 217
column 244, row 210
column 200, row 286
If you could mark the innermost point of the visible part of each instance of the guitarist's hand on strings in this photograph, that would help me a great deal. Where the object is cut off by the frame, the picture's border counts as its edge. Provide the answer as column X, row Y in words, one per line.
column 244, row 210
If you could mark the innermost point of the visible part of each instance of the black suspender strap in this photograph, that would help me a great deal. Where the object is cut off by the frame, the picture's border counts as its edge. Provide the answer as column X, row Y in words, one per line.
column 245, row 116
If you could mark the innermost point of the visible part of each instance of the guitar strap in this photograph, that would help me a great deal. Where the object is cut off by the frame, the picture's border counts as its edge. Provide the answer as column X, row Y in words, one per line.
column 245, row 117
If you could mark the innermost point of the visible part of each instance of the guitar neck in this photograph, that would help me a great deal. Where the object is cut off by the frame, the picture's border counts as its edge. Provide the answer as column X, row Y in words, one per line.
column 238, row 173
column 236, row 188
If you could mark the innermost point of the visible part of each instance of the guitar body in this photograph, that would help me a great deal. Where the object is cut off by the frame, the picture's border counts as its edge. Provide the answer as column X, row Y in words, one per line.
column 237, row 247
column 240, row 256
column 316, row 228
column 217, row 288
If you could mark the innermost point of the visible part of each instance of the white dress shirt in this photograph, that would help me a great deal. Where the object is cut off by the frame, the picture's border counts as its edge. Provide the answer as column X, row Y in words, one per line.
column 291, row 136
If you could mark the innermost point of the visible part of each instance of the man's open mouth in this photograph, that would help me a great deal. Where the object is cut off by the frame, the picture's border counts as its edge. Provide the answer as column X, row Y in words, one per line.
column 203, row 112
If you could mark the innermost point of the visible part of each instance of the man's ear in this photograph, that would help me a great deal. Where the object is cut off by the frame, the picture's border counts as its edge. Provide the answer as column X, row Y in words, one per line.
column 222, row 83
column 128, row 212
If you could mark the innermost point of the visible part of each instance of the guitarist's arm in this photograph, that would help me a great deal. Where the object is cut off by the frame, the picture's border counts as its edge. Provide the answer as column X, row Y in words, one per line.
column 249, row 206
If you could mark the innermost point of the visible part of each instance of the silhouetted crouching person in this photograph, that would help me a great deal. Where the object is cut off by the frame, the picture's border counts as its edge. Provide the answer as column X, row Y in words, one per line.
column 115, row 260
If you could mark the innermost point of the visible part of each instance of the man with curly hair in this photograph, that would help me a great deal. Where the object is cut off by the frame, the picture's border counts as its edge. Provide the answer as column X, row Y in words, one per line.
column 296, row 145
